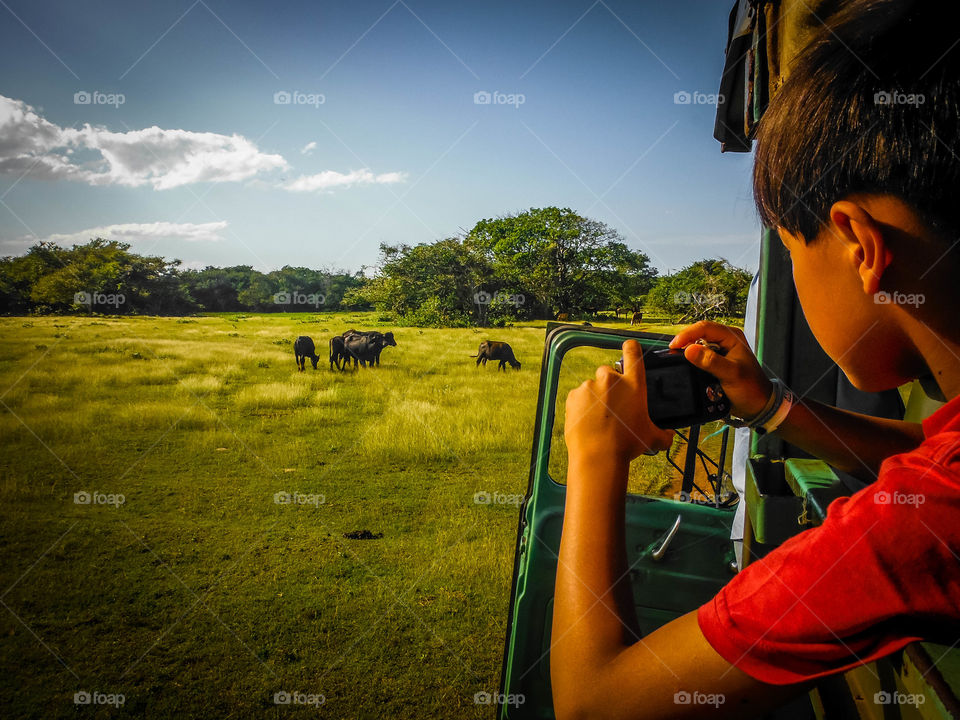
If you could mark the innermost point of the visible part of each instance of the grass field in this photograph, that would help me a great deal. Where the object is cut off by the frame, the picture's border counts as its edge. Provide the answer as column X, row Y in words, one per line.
column 188, row 585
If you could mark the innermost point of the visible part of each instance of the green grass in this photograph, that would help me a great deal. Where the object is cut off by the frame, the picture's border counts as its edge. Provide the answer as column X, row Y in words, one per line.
column 200, row 595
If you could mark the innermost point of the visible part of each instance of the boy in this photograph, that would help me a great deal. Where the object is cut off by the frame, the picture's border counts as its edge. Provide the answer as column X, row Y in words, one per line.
column 855, row 167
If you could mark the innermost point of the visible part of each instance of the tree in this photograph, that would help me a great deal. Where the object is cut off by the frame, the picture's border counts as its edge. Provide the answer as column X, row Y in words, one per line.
column 624, row 276
column 18, row 275
column 529, row 265
column 104, row 276
column 433, row 283
column 260, row 294
column 564, row 262
column 217, row 289
column 704, row 290
column 308, row 289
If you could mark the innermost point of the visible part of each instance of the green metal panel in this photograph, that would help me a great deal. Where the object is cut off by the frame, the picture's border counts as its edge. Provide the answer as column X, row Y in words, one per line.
column 815, row 482
column 773, row 509
column 695, row 566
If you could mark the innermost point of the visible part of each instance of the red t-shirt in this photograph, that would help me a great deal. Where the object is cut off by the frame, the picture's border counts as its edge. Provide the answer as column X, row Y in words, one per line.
column 882, row 571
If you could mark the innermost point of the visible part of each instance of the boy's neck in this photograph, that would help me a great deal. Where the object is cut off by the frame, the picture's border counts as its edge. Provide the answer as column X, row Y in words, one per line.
column 931, row 389
column 941, row 354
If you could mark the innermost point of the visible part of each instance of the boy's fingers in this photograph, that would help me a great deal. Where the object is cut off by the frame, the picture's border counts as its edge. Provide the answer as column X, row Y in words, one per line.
column 689, row 334
column 713, row 362
column 706, row 330
column 632, row 359
column 666, row 439
column 659, row 442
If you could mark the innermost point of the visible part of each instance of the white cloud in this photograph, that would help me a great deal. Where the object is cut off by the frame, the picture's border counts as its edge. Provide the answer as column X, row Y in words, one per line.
column 159, row 158
column 170, row 158
column 29, row 144
column 132, row 233
column 329, row 179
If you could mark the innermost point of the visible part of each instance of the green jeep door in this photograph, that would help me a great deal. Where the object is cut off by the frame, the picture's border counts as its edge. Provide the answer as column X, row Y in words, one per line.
column 679, row 551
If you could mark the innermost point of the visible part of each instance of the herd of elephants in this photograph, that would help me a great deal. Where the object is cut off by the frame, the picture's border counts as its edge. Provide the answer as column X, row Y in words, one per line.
column 365, row 346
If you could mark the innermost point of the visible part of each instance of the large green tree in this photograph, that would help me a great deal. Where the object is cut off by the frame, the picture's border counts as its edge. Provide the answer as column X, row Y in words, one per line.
column 19, row 274
column 218, row 289
column 704, row 290
column 562, row 261
column 100, row 276
column 436, row 283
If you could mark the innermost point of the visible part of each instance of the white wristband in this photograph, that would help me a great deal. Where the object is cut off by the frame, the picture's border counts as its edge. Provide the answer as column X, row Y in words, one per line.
column 789, row 399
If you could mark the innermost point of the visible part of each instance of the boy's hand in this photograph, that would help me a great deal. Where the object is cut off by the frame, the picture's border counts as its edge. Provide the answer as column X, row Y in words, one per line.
column 738, row 371
column 607, row 416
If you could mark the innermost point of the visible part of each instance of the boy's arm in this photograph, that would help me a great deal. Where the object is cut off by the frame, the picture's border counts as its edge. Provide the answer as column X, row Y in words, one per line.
column 850, row 441
column 598, row 664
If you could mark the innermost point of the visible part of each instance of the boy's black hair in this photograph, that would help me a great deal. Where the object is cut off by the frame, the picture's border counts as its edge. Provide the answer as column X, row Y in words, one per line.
column 871, row 105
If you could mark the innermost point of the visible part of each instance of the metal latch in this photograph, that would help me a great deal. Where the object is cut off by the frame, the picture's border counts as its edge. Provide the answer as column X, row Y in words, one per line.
column 658, row 554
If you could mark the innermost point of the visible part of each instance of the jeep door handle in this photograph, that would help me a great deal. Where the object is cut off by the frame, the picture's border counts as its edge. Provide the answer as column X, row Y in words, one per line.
column 658, row 554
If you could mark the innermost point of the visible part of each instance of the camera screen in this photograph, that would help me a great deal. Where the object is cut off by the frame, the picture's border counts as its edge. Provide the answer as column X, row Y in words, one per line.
column 669, row 392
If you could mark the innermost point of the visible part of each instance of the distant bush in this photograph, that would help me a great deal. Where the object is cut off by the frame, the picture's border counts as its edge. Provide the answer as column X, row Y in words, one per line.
column 432, row 314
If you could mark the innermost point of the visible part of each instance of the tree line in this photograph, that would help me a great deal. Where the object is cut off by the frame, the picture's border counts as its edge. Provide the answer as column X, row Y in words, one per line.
column 536, row 264
column 104, row 276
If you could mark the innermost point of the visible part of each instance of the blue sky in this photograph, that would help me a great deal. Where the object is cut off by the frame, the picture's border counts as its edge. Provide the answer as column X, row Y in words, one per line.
column 160, row 123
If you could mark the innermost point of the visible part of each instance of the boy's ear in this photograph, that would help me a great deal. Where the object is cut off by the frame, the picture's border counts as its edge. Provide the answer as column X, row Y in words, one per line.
column 864, row 239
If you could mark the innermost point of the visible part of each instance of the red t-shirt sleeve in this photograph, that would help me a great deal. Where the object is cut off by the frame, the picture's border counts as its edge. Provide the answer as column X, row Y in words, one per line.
column 881, row 571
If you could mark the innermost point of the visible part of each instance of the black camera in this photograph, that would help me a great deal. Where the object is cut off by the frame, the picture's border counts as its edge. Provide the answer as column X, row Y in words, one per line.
column 680, row 394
